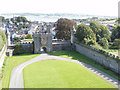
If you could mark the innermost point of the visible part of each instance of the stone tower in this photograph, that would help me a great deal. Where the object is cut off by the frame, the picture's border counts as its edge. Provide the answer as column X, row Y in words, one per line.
column 8, row 36
column 72, row 35
column 42, row 40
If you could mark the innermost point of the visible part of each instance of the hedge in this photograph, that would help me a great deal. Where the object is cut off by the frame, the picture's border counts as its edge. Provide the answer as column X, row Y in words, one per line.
column 2, row 39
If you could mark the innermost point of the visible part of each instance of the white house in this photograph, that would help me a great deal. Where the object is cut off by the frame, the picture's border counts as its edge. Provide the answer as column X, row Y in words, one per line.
column 14, row 35
column 32, row 30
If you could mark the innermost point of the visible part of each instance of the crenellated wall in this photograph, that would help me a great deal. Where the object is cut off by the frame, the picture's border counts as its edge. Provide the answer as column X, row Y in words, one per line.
column 28, row 47
column 110, row 62
column 58, row 46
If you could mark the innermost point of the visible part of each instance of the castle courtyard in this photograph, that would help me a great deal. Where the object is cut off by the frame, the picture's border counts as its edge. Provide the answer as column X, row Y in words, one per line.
column 50, row 65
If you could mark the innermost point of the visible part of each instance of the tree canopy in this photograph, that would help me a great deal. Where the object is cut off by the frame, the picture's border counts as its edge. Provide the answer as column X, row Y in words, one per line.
column 2, row 19
column 21, row 19
column 115, row 32
column 94, row 25
column 104, row 43
column 105, row 32
column 85, row 34
column 101, row 31
column 63, row 28
column 116, row 44
column 2, row 39
column 29, row 36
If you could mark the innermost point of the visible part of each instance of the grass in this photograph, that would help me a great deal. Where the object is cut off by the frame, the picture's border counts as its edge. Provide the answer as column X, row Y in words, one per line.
column 77, row 56
column 28, row 40
column 61, row 74
column 11, row 62
column 97, row 46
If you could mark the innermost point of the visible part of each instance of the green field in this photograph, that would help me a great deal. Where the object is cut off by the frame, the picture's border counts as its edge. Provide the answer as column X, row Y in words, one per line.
column 10, row 63
column 28, row 40
column 77, row 56
column 61, row 74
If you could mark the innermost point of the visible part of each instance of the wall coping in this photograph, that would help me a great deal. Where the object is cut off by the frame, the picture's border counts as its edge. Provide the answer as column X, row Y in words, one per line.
column 117, row 58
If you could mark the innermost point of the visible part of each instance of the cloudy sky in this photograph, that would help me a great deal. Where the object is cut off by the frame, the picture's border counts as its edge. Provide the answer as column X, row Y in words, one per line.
column 94, row 7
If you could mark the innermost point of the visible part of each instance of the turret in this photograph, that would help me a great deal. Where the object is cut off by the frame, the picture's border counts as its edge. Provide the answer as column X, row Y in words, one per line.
column 72, row 34
column 8, row 36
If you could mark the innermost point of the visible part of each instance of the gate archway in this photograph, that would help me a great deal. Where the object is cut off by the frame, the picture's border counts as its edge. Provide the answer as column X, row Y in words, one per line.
column 44, row 49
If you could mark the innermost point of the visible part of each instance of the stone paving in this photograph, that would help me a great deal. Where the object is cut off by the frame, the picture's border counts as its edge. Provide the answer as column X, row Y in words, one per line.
column 17, row 81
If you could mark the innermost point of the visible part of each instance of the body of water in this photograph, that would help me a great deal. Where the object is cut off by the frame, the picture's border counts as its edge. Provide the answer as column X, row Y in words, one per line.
column 49, row 17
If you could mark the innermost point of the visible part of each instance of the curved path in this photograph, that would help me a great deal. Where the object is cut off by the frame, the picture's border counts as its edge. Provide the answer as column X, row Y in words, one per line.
column 17, row 80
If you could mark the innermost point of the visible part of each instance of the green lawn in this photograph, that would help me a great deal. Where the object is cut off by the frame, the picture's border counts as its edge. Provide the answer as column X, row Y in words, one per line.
column 28, row 40
column 10, row 63
column 61, row 74
column 77, row 56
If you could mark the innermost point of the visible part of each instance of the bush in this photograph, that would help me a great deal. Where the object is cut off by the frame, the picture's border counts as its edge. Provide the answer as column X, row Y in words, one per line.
column 18, row 49
column 29, row 36
column 16, row 39
column 116, row 44
column 1, row 43
column 104, row 43
column 63, row 47
column 2, row 39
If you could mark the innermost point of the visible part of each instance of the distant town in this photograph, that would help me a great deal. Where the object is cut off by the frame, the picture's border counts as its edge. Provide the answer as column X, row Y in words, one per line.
column 19, row 27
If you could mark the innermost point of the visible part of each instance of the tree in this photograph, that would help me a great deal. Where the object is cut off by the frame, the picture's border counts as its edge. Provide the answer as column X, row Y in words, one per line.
column 16, row 39
column 101, row 31
column 115, row 33
column 105, row 32
column 94, row 25
column 18, row 49
column 116, row 44
column 85, row 35
column 1, row 43
column 3, row 36
column 63, row 28
column 21, row 19
column 2, row 39
column 2, row 19
column 29, row 36
column 104, row 43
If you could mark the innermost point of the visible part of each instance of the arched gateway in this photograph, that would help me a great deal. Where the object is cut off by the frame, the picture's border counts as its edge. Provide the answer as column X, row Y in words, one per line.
column 42, row 42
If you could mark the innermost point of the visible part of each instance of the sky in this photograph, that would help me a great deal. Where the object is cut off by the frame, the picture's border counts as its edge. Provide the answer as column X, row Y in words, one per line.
column 91, row 7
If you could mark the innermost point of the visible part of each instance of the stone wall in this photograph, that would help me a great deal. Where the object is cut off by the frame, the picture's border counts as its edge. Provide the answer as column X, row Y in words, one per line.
column 28, row 47
column 58, row 46
column 102, row 59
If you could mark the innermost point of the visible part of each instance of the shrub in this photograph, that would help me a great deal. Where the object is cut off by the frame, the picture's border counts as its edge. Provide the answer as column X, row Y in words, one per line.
column 16, row 39
column 29, row 36
column 116, row 44
column 2, row 39
column 63, row 48
column 104, row 43
column 18, row 49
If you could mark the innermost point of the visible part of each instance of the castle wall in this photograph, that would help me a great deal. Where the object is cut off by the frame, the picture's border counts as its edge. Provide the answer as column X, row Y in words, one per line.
column 58, row 46
column 102, row 59
column 28, row 47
